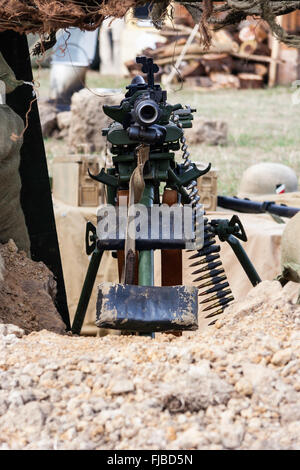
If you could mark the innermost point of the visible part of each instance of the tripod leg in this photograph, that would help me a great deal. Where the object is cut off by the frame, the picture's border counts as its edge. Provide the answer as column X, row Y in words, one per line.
column 244, row 260
column 146, row 258
column 86, row 291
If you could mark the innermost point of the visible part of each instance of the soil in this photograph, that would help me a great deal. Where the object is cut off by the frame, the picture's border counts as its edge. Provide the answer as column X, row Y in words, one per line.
column 27, row 292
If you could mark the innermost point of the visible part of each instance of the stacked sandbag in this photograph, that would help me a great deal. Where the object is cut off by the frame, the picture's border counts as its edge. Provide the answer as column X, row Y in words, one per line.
column 7, row 76
column 210, row 132
column 87, row 119
column 12, row 221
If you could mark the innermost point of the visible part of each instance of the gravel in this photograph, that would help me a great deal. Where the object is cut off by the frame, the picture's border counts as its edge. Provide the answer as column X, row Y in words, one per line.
column 235, row 385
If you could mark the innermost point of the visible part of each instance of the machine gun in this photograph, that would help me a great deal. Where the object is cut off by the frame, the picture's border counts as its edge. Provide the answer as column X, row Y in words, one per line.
column 257, row 207
column 144, row 134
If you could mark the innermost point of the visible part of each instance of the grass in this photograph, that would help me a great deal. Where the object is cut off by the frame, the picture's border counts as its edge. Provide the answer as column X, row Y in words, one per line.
column 262, row 125
column 93, row 80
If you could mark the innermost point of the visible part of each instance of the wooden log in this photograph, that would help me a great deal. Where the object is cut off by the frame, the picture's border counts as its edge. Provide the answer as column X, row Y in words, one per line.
column 180, row 41
column 250, row 80
column 248, row 47
column 193, row 49
column 246, row 34
column 263, row 49
column 224, row 80
column 242, row 66
column 182, row 55
column 257, row 58
column 260, row 69
column 196, row 82
column 217, row 63
column 170, row 33
column 261, row 31
column 172, row 59
column 256, row 31
column 220, row 44
column 131, row 65
column 193, row 69
column 223, row 36
column 252, row 57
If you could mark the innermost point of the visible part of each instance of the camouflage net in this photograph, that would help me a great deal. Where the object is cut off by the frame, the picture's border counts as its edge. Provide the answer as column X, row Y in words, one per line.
column 47, row 16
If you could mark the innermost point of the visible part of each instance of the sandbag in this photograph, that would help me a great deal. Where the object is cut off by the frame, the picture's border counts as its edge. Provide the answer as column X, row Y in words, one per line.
column 12, row 221
column 7, row 76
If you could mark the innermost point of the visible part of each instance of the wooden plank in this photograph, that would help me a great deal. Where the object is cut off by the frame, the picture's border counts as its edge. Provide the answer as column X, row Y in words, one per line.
column 171, row 260
column 275, row 45
column 257, row 58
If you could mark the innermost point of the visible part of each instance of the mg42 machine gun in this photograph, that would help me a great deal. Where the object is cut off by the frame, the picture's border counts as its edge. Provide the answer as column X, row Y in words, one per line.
column 144, row 135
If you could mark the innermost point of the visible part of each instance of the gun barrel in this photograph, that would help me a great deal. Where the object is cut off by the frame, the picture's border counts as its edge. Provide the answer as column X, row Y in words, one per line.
column 256, row 207
column 147, row 112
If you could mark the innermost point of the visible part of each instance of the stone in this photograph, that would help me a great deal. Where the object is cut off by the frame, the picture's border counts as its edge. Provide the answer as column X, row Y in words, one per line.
column 122, row 386
column 244, row 387
column 290, row 412
column 258, row 375
column 208, row 390
column 64, row 120
column 190, row 439
column 171, row 434
column 129, row 392
column 63, row 123
column 211, row 132
column 48, row 117
column 199, row 370
column 8, row 329
column 12, row 247
column 28, row 418
column 282, row 357
column 232, row 435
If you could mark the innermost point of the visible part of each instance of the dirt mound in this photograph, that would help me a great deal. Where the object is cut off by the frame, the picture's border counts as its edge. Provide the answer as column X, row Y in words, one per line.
column 26, row 293
column 234, row 386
